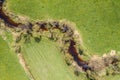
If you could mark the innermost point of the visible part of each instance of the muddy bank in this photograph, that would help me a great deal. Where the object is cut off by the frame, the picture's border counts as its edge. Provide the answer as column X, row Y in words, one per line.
column 74, row 53
column 6, row 18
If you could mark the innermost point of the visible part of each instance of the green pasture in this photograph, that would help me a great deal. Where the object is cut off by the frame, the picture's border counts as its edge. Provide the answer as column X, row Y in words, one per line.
column 46, row 62
column 98, row 21
column 10, row 69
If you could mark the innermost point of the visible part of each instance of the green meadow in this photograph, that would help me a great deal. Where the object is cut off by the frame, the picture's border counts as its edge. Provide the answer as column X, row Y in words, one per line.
column 10, row 69
column 98, row 21
column 46, row 62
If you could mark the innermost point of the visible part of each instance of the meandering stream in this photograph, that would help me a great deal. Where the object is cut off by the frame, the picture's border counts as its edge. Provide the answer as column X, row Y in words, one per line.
column 72, row 50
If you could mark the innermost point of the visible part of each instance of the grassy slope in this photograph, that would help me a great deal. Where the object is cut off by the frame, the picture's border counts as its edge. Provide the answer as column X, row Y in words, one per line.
column 46, row 62
column 97, row 20
column 10, row 69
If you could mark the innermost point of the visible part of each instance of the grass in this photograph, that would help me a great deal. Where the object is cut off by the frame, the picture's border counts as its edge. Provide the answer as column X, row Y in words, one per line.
column 10, row 69
column 46, row 62
column 116, row 77
column 97, row 20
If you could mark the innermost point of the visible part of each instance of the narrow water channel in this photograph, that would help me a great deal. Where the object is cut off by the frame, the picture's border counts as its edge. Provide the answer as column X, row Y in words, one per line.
column 6, row 18
column 72, row 50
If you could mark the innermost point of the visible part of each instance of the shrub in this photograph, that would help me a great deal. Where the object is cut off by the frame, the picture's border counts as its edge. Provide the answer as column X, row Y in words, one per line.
column 17, row 49
column 78, row 70
column 37, row 39
column 68, row 59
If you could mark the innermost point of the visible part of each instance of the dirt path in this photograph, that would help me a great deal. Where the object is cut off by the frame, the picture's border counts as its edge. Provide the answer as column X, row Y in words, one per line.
column 25, row 66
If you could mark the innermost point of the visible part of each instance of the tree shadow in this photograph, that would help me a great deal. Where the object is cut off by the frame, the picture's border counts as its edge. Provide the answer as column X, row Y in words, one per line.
column 37, row 39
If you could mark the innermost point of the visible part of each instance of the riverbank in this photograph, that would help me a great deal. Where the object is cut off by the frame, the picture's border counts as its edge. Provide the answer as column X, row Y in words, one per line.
column 66, row 37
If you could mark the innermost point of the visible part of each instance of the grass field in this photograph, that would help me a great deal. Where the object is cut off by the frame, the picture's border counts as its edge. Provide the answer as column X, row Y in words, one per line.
column 97, row 20
column 46, row 62
column 10, row 69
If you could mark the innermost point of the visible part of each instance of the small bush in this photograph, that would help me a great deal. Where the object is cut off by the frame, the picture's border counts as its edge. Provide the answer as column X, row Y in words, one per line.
column 68, row 59
column 77, row 70
column 37, row 39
